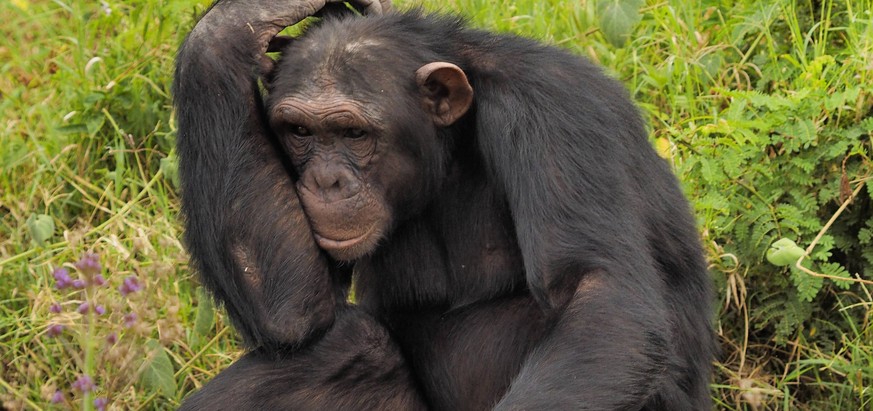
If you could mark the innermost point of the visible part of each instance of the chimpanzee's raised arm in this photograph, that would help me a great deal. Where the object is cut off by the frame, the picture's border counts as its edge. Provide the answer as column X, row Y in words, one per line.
column 245, row 229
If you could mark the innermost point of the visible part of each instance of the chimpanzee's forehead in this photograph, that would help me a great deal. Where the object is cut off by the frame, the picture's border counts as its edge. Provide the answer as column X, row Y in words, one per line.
column 350, row 43
column 346, row 58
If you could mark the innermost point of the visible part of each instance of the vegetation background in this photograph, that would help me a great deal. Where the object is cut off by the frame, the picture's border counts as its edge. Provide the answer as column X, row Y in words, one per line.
column 762, row 108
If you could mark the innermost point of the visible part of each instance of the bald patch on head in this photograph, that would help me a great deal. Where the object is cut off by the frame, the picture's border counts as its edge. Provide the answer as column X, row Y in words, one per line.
column 360, row 45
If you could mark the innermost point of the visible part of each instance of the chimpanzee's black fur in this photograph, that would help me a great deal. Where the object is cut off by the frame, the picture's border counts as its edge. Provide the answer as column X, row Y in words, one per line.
column 554, row 264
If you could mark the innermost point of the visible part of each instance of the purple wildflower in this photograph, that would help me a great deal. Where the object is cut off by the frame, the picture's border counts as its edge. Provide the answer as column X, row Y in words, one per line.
column 62, row 278
column 112, row 338
column 100, row 310
column 55, row 308
column 99, row 280
column 89, row 265
column 83, row 308
column 130, row 285
column 58, row 397
column 84, row 384
column 78, row 283
column 129, row 320
column 55, row 330
column 100, row 403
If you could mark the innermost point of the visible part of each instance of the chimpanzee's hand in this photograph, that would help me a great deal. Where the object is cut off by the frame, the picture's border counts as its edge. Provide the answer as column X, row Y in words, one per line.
column 236, row 19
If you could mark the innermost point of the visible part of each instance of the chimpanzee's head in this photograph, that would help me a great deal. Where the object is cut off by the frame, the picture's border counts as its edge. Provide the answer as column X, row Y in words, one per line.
column 357, row 109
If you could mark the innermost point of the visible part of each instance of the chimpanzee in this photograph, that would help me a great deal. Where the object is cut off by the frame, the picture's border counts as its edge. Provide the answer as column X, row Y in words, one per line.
column 513, row 240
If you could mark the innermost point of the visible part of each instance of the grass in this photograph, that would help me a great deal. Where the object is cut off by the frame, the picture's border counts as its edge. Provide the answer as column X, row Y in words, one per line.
column 87, row 138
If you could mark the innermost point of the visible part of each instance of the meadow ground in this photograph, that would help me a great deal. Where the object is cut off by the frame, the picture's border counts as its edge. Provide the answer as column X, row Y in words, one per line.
column 762, row 108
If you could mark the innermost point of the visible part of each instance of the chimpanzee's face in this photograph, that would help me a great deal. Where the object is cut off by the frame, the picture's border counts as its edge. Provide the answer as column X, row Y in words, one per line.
column 362, row 139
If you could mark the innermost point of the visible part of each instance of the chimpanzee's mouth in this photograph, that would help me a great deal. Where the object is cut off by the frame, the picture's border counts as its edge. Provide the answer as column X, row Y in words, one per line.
column 331, row 244
column 349, row 248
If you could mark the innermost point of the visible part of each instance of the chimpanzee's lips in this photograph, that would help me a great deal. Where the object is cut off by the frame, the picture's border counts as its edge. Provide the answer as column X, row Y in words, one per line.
column 331, row 244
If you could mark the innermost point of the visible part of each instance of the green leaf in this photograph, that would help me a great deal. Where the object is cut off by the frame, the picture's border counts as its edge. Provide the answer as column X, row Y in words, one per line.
column 170, row 169
column 158, row 373
column 807, row 285
column 94, row 98
column 95, row 123
column 618, row 18
column 784, row 252
column 205, row 316
column 41, row 228
column 837, row 270
column 864, row 236
column 712, row 64
column 799, row 133
column 867, row 124
column 72, row 129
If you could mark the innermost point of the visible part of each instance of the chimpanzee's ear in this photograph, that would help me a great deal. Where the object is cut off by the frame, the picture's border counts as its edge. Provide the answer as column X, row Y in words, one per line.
column 446, row 93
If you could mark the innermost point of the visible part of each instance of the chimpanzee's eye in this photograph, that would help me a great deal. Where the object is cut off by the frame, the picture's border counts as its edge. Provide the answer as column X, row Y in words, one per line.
column 298, row 130
column 355, row 133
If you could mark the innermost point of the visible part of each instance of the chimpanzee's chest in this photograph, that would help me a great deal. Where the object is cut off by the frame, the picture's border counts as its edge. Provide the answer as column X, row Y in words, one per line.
column 457, row 304
column 461, row 314
column 466, row 358
column 445, row 260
